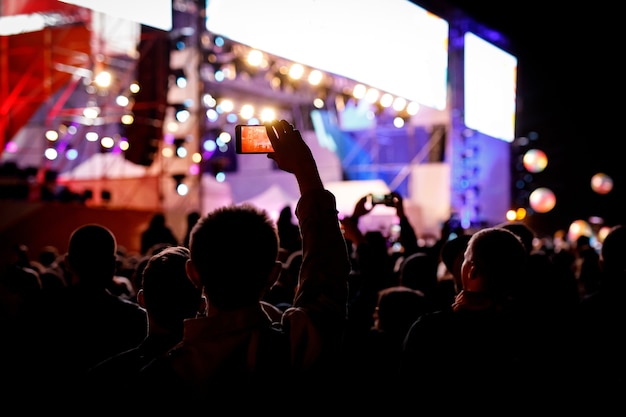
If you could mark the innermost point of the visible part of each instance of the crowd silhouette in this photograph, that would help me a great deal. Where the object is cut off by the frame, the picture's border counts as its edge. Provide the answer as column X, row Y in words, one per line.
column 314, row 313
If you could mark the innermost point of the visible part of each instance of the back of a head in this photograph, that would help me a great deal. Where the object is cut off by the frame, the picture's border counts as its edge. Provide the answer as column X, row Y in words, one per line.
column 169, row 295
column 613, row 251
column 398, row 307
column 524, row 232
column 157, row 220
column 92, row 254
column 234, row 250
column 500, row 257
column 48, row 255
column 419, row 271
column 452, row 249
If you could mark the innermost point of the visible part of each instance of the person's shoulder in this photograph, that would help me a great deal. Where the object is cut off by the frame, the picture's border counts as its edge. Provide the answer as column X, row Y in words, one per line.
column 432, row 322
column 117, row 365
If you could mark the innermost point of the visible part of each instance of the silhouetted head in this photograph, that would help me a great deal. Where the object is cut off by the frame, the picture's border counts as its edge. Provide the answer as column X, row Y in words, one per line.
column 397, row 308
column 524, row 232
column 419, row 271
column 495, row 261
column 452, row 253
column 157, row 220
column 91, row 255
column 167, row 293
column 613, row 252
column 234, row 252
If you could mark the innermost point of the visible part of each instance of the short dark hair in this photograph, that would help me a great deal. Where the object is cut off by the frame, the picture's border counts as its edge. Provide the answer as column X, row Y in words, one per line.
column 169, row 295
column 501, row 258
column 234, row 249
column 92, row 254
column 613, row 251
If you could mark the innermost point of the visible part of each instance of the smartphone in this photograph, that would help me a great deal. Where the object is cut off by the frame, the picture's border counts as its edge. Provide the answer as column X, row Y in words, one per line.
column 386, row 199
column 251, row 139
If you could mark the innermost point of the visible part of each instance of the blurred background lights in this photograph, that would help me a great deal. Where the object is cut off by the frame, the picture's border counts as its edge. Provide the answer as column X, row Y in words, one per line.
column 535, row 160
column 107, row 142
column 315, row 77
column 542, row 200
column 604, row 230
column 267, row 115
column 579, row 228
column 225, row 137
column 601, row 183
column 398, row 122
column 52, row 135
column 103, row 79
column 122, row 101
column 247, row 111
column 71, row 154
column 182, row 189
column 209, row 145
column 412, row 108
column 51, row 154
column 11, row 147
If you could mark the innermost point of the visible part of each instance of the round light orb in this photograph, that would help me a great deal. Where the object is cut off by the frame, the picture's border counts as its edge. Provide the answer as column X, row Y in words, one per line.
column 542, row 200
column 535, row 160
column 604, row 230
column 577, row 229
column 601, row 183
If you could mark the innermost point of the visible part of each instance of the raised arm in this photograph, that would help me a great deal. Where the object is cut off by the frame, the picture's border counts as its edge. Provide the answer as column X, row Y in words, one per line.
column 319, row 311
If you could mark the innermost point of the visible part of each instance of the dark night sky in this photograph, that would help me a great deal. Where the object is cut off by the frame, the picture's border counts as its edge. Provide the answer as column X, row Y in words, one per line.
column 570, row 86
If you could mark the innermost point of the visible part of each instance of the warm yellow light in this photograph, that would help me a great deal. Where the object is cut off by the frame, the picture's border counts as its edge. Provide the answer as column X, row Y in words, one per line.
column 255, row 57
column 359, row 91
column 296, row 71
column 412, row 108
column 399, row 104
column 127, row 119
column 107, row 142
column 227, row 105
column 103, row 79
column 247, row 111
column 52, row 135
column 511, row 215
column 386, row 100
column 372, row 95
column 315, row 77
column 267, row 115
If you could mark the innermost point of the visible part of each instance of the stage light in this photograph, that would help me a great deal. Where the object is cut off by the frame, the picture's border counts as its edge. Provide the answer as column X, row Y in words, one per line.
column 180, row 187
column 179, row 147
column 179, row 77
column 535, row 160
column 181, row 112
column 103, row 79
column 52, row 135
column 315, row 77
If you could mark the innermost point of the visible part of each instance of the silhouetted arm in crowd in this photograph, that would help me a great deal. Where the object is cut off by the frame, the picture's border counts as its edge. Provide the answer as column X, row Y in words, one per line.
column 317, row 319
column 408, row 238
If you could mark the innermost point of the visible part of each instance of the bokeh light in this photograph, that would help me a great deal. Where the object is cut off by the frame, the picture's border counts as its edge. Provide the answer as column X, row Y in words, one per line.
column 535, row 160
column 542, row 200
column 577, row 229
column 604, row 230
column 601, row 183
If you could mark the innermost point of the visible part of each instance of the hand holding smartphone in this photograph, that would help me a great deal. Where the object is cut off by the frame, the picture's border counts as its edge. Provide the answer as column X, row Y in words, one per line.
column 386, row 199
column 252, row 139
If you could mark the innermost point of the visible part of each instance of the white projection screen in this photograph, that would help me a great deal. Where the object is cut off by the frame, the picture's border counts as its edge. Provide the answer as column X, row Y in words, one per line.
column 490, row 86
column 392, row 45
